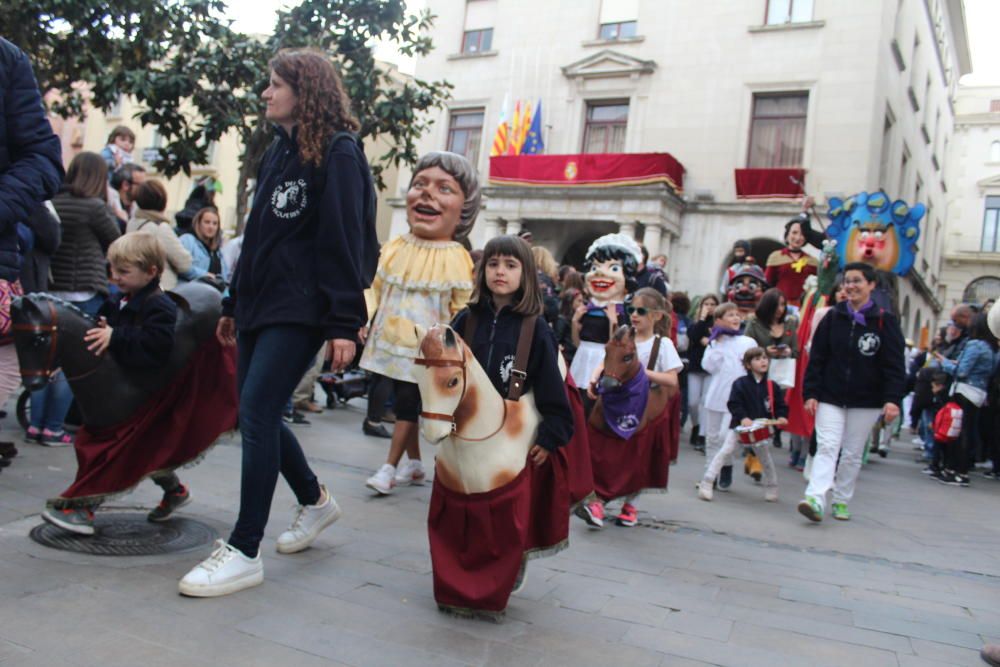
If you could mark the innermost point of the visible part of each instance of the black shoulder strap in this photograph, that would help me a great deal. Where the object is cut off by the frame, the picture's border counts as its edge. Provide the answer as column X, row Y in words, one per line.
column 654, row 354
column 471, row 321
column 518, row 373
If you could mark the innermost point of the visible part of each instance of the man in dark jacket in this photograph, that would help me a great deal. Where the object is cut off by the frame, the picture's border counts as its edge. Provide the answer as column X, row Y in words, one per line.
column 650, row 276
column 30, row 153
column 856, row 372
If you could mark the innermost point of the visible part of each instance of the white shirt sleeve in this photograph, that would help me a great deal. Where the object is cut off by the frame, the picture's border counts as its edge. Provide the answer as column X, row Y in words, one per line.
column 668, row 359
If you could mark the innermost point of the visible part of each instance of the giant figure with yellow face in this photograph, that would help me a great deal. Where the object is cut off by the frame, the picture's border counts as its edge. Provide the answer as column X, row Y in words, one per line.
column 872, row 229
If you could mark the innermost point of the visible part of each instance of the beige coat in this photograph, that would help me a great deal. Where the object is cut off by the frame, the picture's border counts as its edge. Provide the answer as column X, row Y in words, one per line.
column 178, row 257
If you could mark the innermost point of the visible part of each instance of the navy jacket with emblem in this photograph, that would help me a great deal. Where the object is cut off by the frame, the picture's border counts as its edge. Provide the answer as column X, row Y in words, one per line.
column 495, row 343
column 143, row 328
column 749, row 399
column 30, row 153
column 856, row 366
column 309, row 249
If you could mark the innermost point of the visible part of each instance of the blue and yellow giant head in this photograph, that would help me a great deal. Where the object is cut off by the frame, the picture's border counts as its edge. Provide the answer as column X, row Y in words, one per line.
column 873, row 229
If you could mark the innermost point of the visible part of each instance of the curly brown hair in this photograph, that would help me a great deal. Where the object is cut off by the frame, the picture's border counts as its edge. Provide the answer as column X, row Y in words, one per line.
column 323, row 105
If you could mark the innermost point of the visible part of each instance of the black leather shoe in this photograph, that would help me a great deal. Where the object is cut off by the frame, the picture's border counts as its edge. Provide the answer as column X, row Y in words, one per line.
column 375, row 430
column 725, row 478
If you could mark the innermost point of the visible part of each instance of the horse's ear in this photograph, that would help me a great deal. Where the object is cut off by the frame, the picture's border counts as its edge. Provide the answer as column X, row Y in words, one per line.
column 420, row 331
column 25, row 305
column 631, row 332
column 621, row 331
column 449, row 338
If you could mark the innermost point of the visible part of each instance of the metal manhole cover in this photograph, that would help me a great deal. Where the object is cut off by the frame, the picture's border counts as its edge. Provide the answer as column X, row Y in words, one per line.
column 121, row 534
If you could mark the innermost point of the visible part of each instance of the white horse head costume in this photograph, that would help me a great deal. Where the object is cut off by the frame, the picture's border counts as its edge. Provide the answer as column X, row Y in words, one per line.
column 993, row 320
column 483, row 438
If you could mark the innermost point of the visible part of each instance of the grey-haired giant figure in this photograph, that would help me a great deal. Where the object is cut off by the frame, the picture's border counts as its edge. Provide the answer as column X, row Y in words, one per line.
column 424, row 277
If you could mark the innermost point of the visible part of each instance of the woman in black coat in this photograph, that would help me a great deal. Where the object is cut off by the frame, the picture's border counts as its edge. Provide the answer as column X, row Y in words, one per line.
column 309, row 252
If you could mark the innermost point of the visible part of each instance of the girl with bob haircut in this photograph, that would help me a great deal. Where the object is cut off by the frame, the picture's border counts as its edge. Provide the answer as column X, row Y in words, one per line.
column 309, row 252
column 506, row 293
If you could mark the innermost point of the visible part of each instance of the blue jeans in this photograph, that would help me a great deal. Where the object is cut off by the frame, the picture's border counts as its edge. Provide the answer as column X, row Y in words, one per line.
column 270, row 364
column 50, row 404
column 926, row 430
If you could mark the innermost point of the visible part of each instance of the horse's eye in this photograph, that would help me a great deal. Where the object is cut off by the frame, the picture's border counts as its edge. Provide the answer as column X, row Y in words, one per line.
column 628, row 358
column 39, row 339
column 452, row 383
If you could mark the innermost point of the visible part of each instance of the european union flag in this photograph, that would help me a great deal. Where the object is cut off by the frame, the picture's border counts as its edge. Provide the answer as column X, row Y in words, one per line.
column 534, row 143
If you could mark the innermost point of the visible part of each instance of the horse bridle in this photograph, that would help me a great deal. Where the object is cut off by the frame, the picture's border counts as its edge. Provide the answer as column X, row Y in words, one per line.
column 53, row 331
column 456, row 363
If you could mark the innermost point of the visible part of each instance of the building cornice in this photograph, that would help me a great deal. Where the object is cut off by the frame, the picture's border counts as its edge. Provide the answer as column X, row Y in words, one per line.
column 977, row 119
column 608, row 64
column 917, row 281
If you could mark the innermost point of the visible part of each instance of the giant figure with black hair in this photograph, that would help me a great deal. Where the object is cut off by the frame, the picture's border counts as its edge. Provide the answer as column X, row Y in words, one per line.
column 612, row 262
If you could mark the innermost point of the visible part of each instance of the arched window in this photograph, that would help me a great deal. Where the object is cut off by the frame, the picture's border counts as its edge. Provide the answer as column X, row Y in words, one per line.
column 906, row 313
column 982, row 289
column 916, row 328
column 995, row 151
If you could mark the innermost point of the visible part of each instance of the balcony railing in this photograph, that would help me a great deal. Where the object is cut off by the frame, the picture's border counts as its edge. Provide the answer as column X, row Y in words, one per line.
column 769, row 183
column 588, row 169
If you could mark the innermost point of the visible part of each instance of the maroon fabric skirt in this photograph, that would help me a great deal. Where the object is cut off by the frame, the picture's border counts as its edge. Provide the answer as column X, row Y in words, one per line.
column 580, row 475
column 477, row 544
column 174, row 427
column 623, row 467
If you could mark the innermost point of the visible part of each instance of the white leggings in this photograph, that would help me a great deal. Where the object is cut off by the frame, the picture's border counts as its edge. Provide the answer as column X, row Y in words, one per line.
column 761, row 449
column 10, row 372
column 843, row 432
column 715, row 427
column 697, row 387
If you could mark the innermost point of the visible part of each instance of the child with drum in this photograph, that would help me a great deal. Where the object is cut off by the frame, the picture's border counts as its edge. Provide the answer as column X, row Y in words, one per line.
column 756, row 405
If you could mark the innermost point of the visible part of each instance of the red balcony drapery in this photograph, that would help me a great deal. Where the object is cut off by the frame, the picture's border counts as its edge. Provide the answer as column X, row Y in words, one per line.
column 769, row 183
column 589, row 169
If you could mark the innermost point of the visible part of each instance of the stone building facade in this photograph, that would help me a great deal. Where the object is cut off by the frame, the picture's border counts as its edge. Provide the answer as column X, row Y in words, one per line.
column 971, row 256
column 856, row 93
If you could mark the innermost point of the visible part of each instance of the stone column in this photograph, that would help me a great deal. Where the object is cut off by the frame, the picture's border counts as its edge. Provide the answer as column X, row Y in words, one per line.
column 627, row 228
column 491, row 229
column 513, row 227
column 651, row 238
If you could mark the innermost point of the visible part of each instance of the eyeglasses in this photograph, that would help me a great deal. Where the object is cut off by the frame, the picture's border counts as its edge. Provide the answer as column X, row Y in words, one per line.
column 640, row 311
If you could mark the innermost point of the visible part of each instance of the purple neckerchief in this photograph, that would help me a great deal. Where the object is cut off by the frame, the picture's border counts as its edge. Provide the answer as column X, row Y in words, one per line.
column 624, row 405
column 722, row 331
column 859, row 314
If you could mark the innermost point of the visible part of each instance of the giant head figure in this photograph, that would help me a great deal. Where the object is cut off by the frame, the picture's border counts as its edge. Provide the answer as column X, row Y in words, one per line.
column 611, row 263
column 747, row 287
column 872, row 229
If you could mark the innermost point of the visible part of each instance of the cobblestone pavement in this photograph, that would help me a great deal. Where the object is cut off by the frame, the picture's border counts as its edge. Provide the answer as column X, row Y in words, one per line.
column 913, row 580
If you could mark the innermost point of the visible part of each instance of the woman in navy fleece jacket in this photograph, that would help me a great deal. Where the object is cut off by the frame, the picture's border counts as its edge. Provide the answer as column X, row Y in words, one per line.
column 309, row 252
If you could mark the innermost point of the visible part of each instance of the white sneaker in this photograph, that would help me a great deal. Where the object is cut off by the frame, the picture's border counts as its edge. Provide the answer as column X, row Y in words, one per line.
column 411, row 473
column 383, row 481
column 309, row 522
column 226, row 571
column 771, row 494
column 705, row 490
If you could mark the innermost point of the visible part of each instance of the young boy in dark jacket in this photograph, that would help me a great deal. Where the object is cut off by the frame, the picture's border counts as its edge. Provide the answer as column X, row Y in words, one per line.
column 137, row 328
column 752, row 397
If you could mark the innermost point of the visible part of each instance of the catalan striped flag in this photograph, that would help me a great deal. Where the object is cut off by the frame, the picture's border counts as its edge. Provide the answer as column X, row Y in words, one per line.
column 512, row 146
column 501, row 137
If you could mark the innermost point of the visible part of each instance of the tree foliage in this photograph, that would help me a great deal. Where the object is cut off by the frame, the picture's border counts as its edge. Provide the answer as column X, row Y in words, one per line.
column 196, row 78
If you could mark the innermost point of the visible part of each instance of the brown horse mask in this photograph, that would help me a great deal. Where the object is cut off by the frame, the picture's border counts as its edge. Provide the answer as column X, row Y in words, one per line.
column 621, row 363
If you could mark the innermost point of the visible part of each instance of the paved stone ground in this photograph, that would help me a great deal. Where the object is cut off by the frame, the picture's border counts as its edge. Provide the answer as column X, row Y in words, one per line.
column 913, row 580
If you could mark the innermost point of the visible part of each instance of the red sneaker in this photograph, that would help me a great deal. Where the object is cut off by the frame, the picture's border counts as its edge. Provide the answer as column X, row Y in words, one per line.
column 629, row 516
